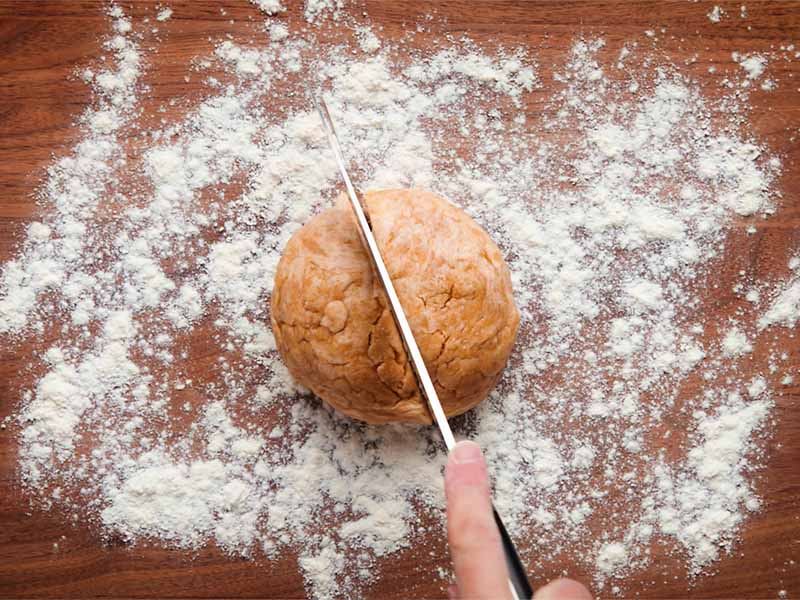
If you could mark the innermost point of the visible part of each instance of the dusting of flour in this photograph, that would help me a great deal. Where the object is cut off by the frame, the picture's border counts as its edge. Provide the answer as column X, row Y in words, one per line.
column 612, row 212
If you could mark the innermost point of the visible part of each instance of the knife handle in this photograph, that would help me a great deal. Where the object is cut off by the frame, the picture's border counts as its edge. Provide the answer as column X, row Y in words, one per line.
column 517, row 578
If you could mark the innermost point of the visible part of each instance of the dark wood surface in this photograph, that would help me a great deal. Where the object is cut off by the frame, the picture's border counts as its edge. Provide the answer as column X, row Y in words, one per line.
column 43, row 43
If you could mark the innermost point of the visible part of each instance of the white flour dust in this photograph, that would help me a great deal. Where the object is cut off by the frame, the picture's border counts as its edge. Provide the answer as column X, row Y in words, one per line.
column 614, row 210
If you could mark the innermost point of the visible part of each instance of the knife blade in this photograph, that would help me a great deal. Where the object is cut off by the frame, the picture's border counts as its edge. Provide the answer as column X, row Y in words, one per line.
column 517, row 578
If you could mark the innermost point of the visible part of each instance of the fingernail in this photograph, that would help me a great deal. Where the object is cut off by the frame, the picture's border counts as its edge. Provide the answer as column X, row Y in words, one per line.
column 466, row 452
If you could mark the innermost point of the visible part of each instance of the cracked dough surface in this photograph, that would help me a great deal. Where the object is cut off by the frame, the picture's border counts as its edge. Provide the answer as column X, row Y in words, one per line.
column 337, row 337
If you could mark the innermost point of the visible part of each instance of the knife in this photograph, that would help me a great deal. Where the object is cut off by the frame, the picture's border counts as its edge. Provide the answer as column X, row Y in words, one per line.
column 517, row 578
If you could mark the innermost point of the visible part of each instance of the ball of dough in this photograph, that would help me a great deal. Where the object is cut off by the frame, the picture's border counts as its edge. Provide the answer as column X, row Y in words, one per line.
column 336, row 334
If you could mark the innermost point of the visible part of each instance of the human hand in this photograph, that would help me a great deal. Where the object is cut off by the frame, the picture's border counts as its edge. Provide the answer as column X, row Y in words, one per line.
column 475, row 546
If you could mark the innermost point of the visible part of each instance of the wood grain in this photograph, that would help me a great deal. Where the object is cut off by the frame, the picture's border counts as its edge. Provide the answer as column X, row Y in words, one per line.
column 42, row 45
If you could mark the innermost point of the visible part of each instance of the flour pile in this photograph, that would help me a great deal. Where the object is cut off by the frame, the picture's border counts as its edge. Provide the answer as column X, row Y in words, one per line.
column 621, row 424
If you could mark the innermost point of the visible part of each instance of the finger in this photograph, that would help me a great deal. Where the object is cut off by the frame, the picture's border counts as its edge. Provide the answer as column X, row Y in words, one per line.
column 475, row 546
column 563, row 589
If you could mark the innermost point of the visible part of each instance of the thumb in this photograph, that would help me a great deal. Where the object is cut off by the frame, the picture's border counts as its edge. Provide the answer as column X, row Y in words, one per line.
column 475, row 545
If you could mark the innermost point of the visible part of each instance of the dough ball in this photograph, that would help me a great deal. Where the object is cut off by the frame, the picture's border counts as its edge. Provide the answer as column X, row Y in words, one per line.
column 335, row 332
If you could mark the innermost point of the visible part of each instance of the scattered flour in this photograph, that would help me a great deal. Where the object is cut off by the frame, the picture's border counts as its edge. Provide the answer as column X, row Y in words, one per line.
column 164, row 14
column 367, row 40
column 610, row 209
column 612, row 558
column 278, row 32
column 785, row 307
column 753, row 64
column 735, row 343
column 758, row 386
column 704, row 504
column 715, row 14
column 315, row 9
column 270, row 7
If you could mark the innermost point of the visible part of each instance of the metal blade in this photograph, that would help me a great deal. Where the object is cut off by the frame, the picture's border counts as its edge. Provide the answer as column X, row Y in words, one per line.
column 517, row 578
column 365, row 229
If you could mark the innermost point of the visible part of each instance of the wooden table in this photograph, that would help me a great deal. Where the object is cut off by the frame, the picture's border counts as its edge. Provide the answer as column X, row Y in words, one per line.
column 43, row 42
